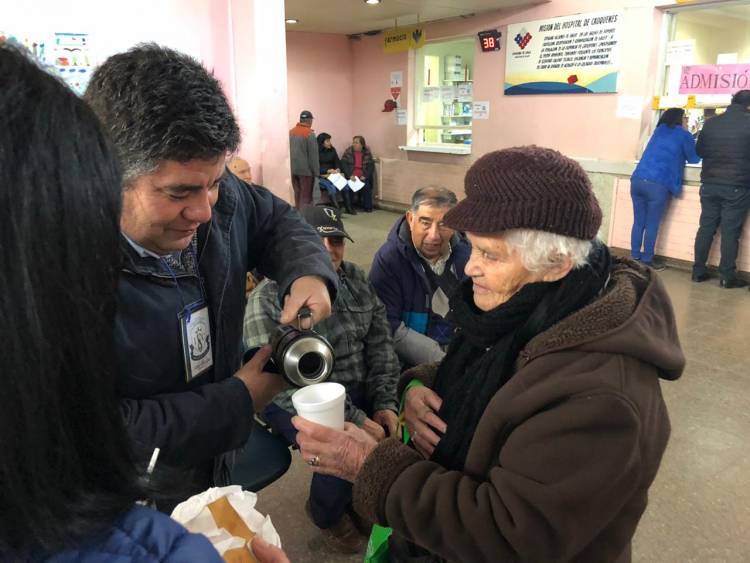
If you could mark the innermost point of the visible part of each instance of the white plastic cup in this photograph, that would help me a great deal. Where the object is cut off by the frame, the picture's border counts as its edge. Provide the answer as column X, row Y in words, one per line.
column 322, row 403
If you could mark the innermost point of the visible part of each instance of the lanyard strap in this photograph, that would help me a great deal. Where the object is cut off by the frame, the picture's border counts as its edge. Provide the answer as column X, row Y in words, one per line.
column 185, row 309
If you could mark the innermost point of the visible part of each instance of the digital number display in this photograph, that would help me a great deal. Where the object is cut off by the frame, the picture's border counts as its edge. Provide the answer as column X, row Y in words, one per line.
column 489, row 40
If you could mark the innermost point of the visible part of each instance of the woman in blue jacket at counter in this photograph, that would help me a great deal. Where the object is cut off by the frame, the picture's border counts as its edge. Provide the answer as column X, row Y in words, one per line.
column 656, row 179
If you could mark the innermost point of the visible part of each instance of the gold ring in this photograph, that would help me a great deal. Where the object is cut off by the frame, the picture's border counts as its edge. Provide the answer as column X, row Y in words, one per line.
column 314, row 461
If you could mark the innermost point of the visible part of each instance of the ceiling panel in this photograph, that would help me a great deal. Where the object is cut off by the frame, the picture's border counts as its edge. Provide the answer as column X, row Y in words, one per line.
column 354, row 16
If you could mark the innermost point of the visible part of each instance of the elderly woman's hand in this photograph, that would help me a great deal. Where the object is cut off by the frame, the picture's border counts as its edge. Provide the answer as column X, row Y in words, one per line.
column 421, row 421
column 334, row 452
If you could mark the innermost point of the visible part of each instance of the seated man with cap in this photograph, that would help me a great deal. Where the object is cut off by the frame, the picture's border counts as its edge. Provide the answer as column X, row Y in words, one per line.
column 365, row 363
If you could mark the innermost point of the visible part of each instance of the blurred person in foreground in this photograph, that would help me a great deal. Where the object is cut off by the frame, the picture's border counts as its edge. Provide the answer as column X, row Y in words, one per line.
column 69, row 478
column 539, row 434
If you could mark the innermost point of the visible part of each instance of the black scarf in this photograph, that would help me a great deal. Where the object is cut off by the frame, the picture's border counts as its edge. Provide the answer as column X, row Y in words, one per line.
column 483, row 352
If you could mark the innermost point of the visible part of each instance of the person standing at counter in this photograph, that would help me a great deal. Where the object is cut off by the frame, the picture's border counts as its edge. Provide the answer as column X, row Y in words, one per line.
column 724, row 145
column 656, row 179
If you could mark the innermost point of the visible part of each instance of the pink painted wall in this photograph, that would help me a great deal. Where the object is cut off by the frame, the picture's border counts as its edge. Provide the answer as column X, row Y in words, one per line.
column 259, row 65
column 319, row 77
column 372, row 75
column 582, row 126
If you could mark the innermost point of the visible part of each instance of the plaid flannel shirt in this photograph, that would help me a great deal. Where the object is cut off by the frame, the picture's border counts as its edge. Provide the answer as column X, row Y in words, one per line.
column 358, row 330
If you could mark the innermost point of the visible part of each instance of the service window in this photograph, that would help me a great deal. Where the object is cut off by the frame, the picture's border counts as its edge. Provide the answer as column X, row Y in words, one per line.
column 444, row 73
column 706, row 35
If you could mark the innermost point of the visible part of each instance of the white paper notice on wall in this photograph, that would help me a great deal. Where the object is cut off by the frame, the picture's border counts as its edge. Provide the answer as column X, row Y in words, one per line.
column 480, row 110
column 680, row 52
column 400, row 117
column 448, row 93
column 629, row 107
column 430, row 94
column 465, row 90
column 397, row 79
column 726, row 59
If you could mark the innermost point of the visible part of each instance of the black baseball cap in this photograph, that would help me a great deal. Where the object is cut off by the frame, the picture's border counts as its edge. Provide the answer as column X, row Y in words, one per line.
column 306, row 115
column 326, row 220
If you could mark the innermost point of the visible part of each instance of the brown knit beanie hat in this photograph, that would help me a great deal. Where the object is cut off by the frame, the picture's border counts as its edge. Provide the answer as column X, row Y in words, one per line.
column 527, row 188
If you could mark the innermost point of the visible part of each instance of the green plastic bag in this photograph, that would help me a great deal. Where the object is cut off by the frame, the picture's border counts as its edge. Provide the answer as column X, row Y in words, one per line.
column 377, row 546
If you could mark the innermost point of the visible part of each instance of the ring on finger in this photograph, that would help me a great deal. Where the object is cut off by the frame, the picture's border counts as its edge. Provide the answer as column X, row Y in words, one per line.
column 314, row 461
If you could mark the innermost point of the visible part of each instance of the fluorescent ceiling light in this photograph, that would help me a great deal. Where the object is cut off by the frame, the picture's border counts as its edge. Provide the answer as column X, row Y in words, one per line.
column 292, row 20
column 372, row 1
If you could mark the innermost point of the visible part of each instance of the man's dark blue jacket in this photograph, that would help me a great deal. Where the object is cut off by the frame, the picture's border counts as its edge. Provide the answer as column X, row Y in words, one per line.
column 195, row 422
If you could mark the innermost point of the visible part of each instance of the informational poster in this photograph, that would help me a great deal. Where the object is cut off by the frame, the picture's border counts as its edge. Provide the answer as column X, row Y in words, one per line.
column 577, row 54
column 480, row 110
column 72, row 59
column 36, row 44
column 630, row 107
column 400, row 117
column 403, row 38
column 714, row 79
column 397, row 79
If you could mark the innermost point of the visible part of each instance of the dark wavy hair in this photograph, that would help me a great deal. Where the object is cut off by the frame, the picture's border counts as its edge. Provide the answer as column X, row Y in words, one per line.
column 672, row 117
column 66, row 466
column 322, row 138
column 157, row 104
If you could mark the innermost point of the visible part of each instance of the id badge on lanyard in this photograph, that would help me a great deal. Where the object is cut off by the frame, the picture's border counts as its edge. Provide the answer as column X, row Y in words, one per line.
column 195, row 326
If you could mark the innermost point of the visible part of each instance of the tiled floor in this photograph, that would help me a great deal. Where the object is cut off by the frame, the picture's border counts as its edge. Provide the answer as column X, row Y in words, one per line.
column 699, row 509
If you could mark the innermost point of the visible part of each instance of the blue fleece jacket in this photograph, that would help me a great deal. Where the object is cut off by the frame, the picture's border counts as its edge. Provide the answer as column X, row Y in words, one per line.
column 143, row 536
column 663, row 161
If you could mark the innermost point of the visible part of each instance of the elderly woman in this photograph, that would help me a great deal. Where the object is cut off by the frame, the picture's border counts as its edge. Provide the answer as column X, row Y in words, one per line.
column 539, row 434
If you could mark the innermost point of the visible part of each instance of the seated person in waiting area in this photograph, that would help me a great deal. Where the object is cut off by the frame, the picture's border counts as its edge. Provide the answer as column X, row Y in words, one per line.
column 415, row 272
column 241, row 168
column 365, row 364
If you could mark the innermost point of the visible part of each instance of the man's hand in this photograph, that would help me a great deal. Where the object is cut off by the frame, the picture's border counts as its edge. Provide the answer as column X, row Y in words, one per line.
column 388, row 420
column 307, row 291
column 261, row 385
column 419, row 413
column 334, row 452
column 374, row 429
